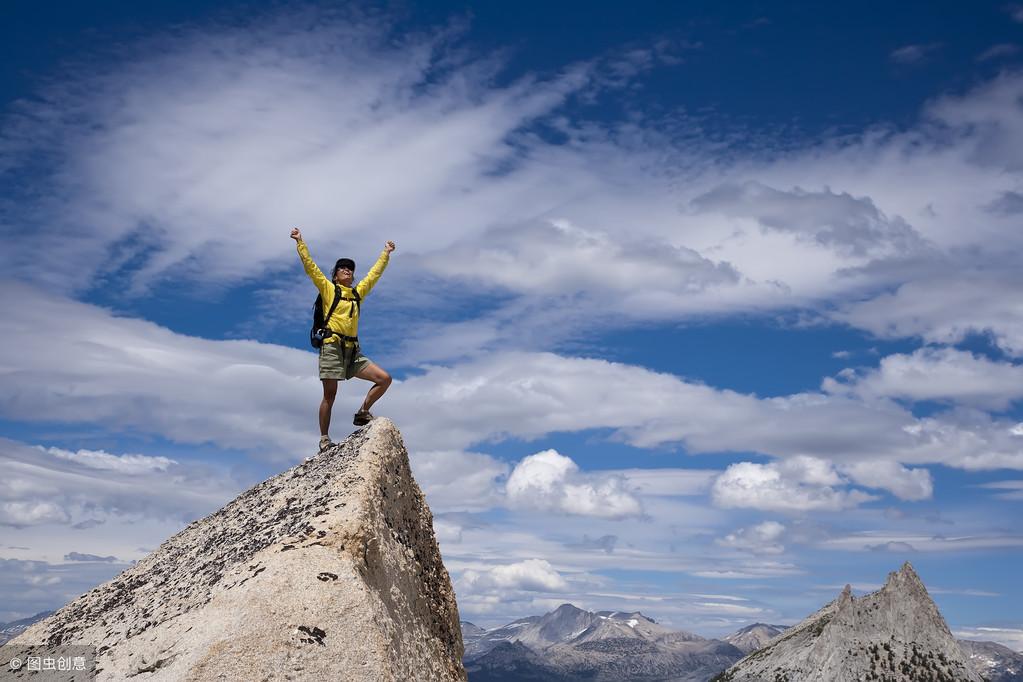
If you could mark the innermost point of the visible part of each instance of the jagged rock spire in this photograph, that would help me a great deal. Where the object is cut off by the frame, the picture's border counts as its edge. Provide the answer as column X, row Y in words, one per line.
column 894, row 634
column 327, row 571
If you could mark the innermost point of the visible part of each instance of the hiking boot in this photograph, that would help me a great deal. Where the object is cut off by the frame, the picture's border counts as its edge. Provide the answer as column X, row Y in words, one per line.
column 362, row 417
column 325, row 443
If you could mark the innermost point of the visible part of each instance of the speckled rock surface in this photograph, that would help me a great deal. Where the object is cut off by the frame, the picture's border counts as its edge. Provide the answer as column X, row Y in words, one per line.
column 327, row 571
column 895, row 634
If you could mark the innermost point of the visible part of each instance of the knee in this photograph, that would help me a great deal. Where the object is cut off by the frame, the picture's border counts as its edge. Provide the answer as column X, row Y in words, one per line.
column 329, row 398
column 385, row 380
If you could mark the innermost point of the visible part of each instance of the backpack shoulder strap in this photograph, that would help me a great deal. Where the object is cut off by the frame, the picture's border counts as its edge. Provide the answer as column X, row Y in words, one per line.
column 337, row 297
column 358, row 302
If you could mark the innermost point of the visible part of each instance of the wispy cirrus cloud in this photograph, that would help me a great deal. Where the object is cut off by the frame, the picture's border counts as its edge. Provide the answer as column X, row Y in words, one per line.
column 913, row 54
column 342, row 126
column 998, row 51
column 44, row 486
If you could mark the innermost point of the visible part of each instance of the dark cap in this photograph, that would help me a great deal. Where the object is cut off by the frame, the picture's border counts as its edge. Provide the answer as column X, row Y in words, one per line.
column 344, row 263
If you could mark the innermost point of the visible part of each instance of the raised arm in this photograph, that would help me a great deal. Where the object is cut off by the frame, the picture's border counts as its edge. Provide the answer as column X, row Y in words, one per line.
column 325, row 286
column 370, row 280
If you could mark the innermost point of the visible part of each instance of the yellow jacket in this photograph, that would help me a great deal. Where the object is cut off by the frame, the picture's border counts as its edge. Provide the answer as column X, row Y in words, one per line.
column 345, row 319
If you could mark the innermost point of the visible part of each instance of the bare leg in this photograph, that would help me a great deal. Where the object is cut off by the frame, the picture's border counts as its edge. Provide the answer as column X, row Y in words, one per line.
column 381, row 380
column 327, row 404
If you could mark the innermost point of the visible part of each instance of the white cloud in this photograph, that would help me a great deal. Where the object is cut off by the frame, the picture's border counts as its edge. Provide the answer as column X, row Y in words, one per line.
column 321, row 115
column 918, row 542
column 913, row 54
column 795, row 485
column 125, row 464
column 744, row 570
column 533, row 575
column 1013, row 489
column 667, row 482
column 1009, row 637
column 335, row 128
column 53, row 486
column 414, row 134
column 763, row 538
column 904, row 483
column 30, row 587
column 532, row 394
column 550, row 481
column 943, row 374
column 945, row 310
column 129, row 374
column 459, row 481
column 561, row 257
column 31, row 513
column 998, row 51
column 853, row 226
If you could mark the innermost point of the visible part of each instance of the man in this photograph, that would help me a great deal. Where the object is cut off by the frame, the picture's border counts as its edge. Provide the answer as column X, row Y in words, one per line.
column 340, row 356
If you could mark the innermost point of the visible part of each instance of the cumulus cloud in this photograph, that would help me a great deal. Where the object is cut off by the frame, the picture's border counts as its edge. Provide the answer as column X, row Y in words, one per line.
column 795, row 485
column 903, row 482
column 945, row 310
column 806, row 483
column 551, row 481
column 533, row 575
column 763, row 538
column 30, row 513
column 943, row 374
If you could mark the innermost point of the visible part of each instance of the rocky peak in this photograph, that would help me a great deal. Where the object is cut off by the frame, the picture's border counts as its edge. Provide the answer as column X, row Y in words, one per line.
column 895, row 634
column 329, row 568
column 606, row 646
column 755, row 636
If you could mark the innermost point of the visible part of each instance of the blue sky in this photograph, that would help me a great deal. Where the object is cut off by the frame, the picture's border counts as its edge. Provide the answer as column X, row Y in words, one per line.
column 696, row 310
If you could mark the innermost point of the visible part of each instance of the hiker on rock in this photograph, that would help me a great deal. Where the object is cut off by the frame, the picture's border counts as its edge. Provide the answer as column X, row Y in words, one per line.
column 340, row 355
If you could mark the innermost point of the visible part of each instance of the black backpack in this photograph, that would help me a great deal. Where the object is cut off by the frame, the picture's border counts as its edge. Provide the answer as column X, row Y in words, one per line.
column 319, row 330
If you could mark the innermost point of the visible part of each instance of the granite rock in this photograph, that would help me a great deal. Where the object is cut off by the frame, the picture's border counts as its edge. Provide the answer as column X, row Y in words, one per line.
column 329, row 570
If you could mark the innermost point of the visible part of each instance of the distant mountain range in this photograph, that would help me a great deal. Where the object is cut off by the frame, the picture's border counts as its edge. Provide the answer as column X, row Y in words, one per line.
column 9, row 631
column 895, row 634
column 570, row 644
column 994, row 662
column 753, row 637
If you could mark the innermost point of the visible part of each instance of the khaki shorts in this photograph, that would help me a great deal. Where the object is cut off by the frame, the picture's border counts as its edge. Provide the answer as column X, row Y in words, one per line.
column 339, row 361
